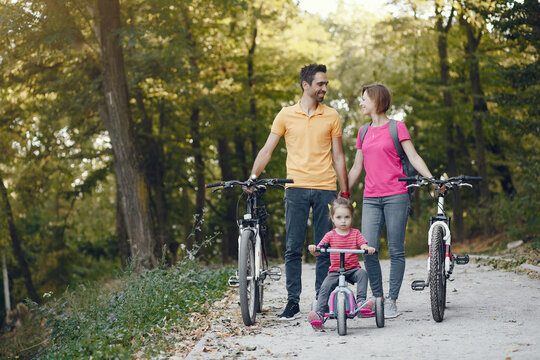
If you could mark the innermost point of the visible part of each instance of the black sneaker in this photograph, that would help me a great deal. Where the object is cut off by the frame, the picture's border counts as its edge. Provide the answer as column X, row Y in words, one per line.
column 291, row 312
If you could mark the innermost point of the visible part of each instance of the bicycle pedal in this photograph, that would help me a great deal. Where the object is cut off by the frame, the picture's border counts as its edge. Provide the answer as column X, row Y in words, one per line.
column 233, row 281
column 274, row 273
column 418, row 285
column 462, row 259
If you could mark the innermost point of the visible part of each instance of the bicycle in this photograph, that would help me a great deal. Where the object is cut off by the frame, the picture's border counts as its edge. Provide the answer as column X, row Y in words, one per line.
column 342, row 303
column 441, row 260
column 252, row 261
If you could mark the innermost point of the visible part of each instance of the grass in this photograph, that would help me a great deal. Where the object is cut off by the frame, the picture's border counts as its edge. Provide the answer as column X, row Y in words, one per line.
column 135, row 316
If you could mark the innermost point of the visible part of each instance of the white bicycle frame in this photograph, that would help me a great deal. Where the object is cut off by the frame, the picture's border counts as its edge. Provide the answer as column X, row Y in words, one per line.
column 258, row 255
column 447, row 235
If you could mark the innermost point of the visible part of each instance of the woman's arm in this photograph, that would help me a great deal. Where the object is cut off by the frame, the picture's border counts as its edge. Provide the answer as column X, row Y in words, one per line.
column 415, row 159
column 356, row 170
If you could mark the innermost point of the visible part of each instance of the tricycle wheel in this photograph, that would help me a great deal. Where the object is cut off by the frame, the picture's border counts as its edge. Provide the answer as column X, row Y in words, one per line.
column 379, row 312
column 341, row 314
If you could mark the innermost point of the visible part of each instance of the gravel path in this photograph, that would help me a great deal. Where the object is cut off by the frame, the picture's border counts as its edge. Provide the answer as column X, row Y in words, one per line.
column 490, row 315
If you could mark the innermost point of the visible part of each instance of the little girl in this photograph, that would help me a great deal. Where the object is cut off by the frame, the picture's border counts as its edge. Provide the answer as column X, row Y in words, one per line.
column 342, row 237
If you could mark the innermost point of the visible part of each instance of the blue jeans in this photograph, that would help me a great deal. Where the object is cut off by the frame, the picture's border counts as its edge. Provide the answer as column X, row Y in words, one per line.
column 298, row 202
column 376, row 212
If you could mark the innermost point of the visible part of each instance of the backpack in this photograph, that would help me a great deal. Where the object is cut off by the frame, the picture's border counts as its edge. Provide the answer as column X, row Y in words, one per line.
column 408, row 169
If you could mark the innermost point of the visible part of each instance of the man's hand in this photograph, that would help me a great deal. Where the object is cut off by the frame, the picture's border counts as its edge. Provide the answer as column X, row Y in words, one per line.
column 345, row 194
column 251, row 184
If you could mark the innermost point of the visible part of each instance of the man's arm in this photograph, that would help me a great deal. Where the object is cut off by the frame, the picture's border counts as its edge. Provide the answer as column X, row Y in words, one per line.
column 339, row 164
column 264, row 155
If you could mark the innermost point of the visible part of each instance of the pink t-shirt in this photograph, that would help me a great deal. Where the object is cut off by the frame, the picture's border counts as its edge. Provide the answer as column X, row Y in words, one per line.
column 353, row 240
column 381, row 161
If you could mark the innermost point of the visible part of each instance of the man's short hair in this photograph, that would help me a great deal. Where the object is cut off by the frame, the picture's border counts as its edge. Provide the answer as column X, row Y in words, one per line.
column 380, row 94
column 308, row 73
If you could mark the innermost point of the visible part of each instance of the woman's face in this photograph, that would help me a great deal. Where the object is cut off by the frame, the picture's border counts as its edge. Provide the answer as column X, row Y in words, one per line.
column 369, row 106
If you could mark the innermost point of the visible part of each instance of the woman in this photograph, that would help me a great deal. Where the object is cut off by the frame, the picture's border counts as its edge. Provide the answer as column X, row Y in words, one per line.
column 386, row 201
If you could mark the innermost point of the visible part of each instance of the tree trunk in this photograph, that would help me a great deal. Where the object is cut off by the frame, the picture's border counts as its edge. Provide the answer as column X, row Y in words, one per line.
column 480, row 110
column 124, row 249
column 194, row 122
column 16, row 244
column 130, row 177
column 153, row 165
column 448, row 104
column 7, row 298
column 229, row 248
column 251, row 88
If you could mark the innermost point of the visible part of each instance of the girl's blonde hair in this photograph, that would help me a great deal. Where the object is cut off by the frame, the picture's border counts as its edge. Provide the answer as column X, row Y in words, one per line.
column 341, row 202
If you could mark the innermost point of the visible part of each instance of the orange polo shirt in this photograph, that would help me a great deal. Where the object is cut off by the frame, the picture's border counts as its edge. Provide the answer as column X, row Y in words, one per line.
column 308, row 140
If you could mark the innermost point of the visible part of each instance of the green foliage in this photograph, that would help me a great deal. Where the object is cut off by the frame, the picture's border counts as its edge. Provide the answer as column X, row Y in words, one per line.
column 132, row 315
column 237, row 62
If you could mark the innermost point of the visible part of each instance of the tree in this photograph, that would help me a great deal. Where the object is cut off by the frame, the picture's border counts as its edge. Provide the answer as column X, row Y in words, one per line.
column 116, row 115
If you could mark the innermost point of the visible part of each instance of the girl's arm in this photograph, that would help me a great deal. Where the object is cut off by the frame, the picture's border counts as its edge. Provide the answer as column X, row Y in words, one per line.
column 356, row 170
column 312, row 249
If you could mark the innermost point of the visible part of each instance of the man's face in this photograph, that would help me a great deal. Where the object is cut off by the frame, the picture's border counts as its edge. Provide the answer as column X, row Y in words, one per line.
column 317, row 89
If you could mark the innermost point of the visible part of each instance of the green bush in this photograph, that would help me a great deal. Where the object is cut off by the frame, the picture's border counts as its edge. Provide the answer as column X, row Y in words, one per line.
column 135, row 318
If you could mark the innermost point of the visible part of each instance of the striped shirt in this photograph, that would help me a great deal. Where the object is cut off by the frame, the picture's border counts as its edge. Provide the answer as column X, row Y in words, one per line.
column 353, row 240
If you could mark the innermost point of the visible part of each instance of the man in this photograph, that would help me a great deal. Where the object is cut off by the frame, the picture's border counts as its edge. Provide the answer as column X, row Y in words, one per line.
column 312, row 134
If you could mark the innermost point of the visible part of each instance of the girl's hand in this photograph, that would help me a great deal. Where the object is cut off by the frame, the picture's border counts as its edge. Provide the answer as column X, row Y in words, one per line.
column 312, row 249
column 370, row 250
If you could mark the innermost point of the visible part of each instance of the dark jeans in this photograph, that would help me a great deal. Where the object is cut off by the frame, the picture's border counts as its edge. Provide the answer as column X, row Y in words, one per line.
column 376, row 212
column 298, row 202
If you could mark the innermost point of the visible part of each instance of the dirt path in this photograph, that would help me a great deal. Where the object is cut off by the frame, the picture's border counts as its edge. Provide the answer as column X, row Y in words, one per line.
column 491, row 315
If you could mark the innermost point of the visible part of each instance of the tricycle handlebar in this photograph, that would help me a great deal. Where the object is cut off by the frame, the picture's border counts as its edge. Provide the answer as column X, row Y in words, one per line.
column 329, row 250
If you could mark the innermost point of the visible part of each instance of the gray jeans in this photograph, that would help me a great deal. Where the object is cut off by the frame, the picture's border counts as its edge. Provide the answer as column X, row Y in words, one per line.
column 358, row 276
column 393, row 212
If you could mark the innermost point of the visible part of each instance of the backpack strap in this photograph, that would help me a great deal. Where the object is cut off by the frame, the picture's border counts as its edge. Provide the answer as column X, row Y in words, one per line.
column 363, row 131
column 392, row 126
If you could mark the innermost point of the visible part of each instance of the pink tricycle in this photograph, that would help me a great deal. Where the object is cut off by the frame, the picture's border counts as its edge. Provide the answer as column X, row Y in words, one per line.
column 342, row 304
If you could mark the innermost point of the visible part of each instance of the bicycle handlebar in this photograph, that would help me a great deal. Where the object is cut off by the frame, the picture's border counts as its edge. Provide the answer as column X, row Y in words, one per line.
column 249, row 183
column 452, row 180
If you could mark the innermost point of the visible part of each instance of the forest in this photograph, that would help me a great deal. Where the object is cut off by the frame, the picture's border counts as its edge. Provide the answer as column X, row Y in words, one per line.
column 114, row 114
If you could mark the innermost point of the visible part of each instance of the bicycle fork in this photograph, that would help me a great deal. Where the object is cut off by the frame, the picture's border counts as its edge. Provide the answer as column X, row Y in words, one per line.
column 274, row 273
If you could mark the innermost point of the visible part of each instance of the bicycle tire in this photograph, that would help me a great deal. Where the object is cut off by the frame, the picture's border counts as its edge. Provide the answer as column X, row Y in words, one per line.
column 437, row 274
column 260, row 283
column 247, row 288
column 341, row 314
column 260, row 295
column 379, row 312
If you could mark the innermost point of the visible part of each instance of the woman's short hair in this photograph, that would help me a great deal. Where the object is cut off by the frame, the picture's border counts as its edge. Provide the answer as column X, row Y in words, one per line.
column 380, row 94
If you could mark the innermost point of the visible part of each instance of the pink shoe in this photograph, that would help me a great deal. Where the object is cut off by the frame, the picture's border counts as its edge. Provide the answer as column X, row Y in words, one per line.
column 316, row 321
column 366, row 308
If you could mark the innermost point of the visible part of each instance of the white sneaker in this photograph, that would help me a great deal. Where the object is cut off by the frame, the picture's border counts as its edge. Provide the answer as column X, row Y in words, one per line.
column 390, row 309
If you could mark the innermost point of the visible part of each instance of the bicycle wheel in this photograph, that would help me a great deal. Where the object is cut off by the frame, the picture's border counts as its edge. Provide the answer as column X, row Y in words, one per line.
column 341, row 314
column 379, row 312
column 437, row 274
column 247, row 288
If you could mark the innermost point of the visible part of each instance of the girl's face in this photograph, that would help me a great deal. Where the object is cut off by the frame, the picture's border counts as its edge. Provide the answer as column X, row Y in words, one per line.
column 369, row 106
column 342, row 218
